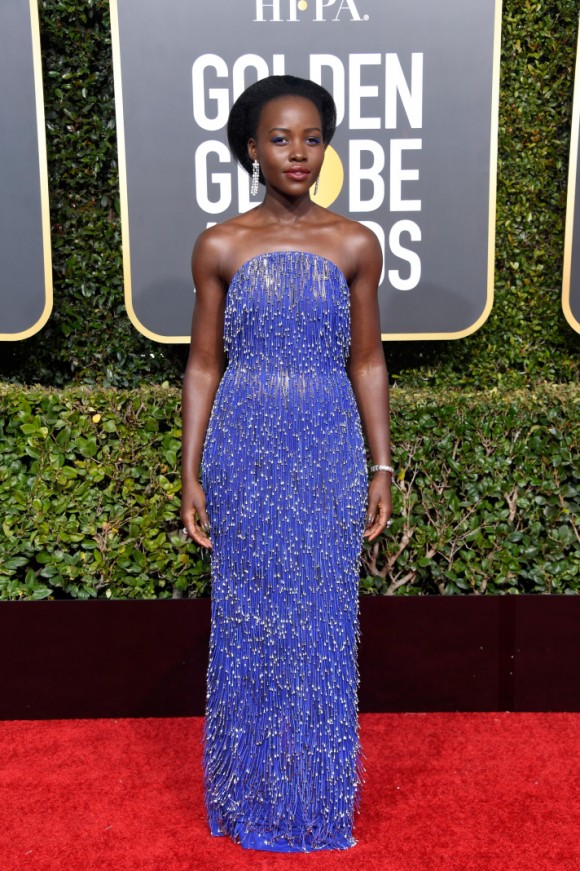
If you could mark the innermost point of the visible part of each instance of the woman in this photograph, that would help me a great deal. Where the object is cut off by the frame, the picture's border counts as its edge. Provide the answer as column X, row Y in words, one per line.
column 289, row 292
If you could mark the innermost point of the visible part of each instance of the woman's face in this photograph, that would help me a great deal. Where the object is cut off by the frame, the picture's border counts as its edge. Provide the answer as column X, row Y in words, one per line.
column 288, row 144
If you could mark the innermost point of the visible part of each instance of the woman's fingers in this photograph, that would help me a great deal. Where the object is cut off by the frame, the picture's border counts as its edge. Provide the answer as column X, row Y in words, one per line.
column 198, row 535
column 371, row 513
column 379, row 507
column 194, row 514
column 203, row 518
column 371, row 518
column 197, row 531
column 377, row 516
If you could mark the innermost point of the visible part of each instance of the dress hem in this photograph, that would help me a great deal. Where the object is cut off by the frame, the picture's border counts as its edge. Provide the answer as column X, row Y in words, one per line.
column 253, row 840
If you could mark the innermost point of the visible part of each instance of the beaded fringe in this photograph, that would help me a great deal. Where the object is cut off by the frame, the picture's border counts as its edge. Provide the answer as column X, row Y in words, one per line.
column 285, row 478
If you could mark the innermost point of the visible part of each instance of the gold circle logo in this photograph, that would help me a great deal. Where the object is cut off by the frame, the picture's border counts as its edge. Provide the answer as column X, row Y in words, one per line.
column 331, row 179
column 302, row 5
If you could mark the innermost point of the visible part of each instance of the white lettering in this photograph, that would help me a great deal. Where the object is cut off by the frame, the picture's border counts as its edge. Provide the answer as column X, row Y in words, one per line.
column 396, row 85
column 320, row 5
column 372, row 174
column 220, row 95
column 274, row 5
column 293, row 10
column 358, row 91
column 411, row 257
column 370, row 168
column 337, row 89
column 239, row 71
column 221, row 179
column 271, row 10
column 348, row 4
column 278, row 65
column 399, row 175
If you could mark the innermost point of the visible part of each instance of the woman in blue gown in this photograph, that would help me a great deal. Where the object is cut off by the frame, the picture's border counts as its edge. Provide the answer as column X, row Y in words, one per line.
column 287, row 295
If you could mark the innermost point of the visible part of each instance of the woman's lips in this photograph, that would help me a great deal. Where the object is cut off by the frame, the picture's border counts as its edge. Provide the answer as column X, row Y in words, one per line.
column 297, row 173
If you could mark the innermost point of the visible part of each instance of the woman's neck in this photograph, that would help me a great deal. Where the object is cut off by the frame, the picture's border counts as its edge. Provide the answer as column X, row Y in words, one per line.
column 283, row 210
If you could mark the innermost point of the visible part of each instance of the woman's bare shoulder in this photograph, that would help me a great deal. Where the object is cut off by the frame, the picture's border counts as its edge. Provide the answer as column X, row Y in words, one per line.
column 212, row 239
column 353, row 230
column 358, row 245
column 215, row 245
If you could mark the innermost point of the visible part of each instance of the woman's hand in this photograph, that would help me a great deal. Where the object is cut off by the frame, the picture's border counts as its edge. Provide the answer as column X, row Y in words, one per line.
column 380, row 504
column 194, row 515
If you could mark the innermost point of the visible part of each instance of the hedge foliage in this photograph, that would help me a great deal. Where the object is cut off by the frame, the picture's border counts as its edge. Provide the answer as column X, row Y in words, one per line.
column 486, row 496
column 89, row 338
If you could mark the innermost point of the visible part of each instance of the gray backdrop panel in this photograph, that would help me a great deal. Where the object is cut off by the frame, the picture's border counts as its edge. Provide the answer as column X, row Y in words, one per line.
column 574, row 289
column 23, row 293
column 158, row 46
column 571, row 283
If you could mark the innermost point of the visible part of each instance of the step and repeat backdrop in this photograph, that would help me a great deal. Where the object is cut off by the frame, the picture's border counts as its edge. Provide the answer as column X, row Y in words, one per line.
column 571, row 277
column 416, row 85
column 25, row 257
column 414, row 157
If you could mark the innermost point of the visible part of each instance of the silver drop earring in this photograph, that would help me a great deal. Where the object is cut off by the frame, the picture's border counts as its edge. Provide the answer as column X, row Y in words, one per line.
column 316, row 185
column 255, row 178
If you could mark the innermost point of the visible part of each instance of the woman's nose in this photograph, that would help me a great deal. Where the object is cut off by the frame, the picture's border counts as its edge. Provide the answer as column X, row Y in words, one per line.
column 297, row 151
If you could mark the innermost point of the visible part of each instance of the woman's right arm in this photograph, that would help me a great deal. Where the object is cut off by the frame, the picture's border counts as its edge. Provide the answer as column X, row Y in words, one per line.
column 205, row 367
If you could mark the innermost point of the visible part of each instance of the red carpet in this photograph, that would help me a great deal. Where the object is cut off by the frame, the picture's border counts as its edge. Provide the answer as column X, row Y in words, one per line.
column 472, row 792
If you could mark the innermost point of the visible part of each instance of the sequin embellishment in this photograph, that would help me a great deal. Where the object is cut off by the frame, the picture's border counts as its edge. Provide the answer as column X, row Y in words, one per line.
column 285, row 478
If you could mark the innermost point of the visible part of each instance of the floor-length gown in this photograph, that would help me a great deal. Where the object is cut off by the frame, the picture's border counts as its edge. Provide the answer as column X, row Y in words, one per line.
column 284, row 473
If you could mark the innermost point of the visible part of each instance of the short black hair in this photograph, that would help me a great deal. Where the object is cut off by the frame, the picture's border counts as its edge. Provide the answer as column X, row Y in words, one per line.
column 245, row 113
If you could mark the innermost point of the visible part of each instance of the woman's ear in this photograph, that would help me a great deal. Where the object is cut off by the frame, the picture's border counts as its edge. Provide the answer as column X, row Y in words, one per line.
column 252, row 149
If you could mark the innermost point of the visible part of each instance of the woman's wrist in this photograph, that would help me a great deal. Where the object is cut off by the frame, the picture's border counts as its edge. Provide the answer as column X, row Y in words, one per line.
column 382, row 467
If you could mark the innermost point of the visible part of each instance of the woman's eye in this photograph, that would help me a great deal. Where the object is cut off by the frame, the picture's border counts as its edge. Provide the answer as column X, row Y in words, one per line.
column 278, row 140
column 314, row 140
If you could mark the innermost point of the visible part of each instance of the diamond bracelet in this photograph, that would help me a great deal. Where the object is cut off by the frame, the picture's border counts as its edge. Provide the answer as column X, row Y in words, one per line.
column 382, row 469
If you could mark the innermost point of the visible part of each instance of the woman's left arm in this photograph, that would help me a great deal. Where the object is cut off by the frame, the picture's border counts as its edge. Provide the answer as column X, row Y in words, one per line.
column 368, row 375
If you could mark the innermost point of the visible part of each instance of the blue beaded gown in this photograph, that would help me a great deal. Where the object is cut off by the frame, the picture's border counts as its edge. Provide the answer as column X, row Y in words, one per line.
column 284, row 472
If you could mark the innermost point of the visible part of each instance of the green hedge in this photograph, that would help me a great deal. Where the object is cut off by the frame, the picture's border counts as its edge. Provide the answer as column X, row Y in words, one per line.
column 90, row 340
column 485, row 502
